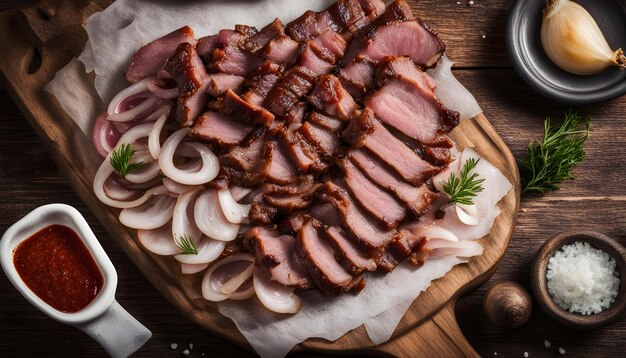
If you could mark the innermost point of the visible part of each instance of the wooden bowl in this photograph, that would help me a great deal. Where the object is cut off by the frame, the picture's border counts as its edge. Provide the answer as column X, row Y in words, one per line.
column 540, row 286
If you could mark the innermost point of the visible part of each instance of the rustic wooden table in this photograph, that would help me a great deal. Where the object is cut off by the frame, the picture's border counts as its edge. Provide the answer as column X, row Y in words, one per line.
column 475, row 38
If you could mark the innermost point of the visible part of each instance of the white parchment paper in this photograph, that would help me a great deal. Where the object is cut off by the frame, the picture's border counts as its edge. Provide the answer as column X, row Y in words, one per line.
column 117, row 32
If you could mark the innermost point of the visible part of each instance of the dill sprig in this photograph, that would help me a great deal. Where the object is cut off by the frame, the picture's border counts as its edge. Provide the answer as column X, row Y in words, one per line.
column 463, row 190
column 551, row 161
column 120, row 160
column 187, row 245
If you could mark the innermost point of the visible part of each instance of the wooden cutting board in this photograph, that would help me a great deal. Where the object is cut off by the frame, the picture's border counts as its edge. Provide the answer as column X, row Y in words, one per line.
column 39, row 41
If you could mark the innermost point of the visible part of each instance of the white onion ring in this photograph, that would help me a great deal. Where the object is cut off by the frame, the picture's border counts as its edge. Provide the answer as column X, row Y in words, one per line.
column 117, row 191
column 134, row 89
column 239, row 192
column 159, row 241
column 233, row 211
column 190, row 269
column 434, row 232
column 208, row 251
column 217, row 275
column 145, row 174
column 274, row 296
column 178, row 188
column 154, row 213
column 164, row 93
column 105, row 135
column 210, row 164
column 132, row 113
column 182, row 218
column 154, row 139
column 210, row 218
column 468, row 214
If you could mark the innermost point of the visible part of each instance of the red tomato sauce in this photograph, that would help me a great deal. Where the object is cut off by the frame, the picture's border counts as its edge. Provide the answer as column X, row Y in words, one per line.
column 57, row 266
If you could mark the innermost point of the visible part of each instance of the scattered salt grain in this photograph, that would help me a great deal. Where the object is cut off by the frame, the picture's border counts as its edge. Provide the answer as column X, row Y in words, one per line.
column 562, row 351
column 173, row 346
column 495, row 353
column 190, row 346
column 186, row 352
column 458, row 3
column 582, row 279
column 470, row 3
column 525, row 354
column 484, row 36
column 546, row 343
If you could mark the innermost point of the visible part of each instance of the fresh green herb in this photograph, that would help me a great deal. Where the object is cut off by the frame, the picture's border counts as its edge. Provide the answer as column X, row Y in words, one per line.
column 187, row 245
column 551, row 161
column 120, row 161
column 463, row 190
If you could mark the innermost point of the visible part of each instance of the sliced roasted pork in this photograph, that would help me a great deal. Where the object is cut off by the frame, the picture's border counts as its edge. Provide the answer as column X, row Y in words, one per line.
column 281, row 170
column 270, row 32
column 366, row 131
column 329, row 96
column 245, row 112
column 417, row 199
column 220, row 129
column 412, row 108
column 310, row 59
column 377, row 202
column 282, row 50
column 331, row 123
column 368, row 233
column 289, row 90
column 318, row 257
column 219, row 83
column 331, row 44
column 149, row 59
column 351, row 258
column 325, row 141
column 357, row 76
column 190, row 75
column 278, row 254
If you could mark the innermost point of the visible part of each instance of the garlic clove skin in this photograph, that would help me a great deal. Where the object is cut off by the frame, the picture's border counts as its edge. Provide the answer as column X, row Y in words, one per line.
column 573, row 41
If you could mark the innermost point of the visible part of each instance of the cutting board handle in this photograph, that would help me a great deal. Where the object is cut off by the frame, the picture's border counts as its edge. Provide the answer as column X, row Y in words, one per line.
column 439, row 336
column 48, row 20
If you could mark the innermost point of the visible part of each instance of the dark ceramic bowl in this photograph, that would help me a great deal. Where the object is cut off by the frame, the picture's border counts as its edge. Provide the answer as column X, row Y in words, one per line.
column 523, row 39
column 540, row 286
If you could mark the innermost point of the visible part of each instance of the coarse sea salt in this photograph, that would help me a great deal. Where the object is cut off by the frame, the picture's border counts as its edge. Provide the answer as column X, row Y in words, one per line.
column 582, row 279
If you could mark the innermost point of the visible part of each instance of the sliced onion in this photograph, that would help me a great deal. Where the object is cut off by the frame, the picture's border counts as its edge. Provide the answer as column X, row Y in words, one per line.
column 145, row 174
column 233, row 211
column 223, row 271
column 117, row 191
column 154, row 139
column 152, row 214
column 133, row 113
column 105, row 135
column 239, row 192
column 104, row 172
column 159, row 241
column 434, row 232
column 183, row 223
column 132, row 90
column 234, row 283
column 274, row 296
column 178, row 188
column 210, row 164
column 468, row 214
column 442, row 248
column 190, row 269
column 208, row 251
column 210, row 218
column 165, row 93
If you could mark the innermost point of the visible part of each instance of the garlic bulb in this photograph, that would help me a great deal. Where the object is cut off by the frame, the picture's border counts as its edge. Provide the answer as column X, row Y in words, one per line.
column 573, row 40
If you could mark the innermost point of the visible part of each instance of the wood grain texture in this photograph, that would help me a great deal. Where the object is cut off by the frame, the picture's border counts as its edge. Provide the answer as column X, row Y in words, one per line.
column 594, row 200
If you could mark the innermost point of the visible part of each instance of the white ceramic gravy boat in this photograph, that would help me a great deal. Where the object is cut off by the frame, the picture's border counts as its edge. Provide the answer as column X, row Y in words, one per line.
column 103, row 319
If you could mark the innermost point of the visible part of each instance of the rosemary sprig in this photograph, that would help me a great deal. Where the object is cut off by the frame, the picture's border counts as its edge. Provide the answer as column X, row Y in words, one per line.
column 187, row 245
column 463, row 190
column 120, row 161
column 551, row 161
